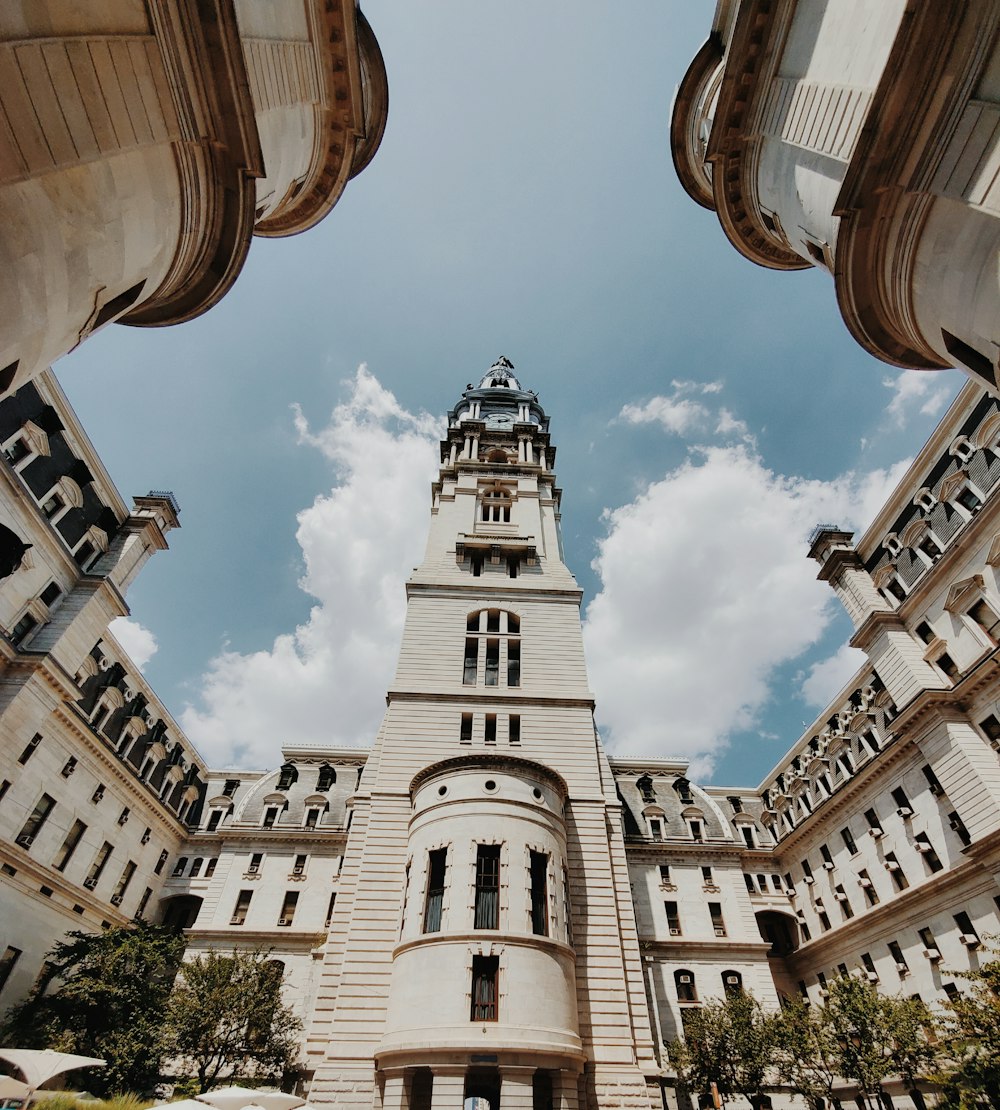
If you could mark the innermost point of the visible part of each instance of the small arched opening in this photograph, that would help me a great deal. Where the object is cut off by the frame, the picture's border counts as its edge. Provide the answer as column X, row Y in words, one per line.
column 180, row 912
column 482, row 1089
column 779, row 930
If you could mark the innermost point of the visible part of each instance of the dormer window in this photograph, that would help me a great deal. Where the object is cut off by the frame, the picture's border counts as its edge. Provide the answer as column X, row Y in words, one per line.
column 925, row 500
column 288, row 775
column 326, row 778
column 962, row 449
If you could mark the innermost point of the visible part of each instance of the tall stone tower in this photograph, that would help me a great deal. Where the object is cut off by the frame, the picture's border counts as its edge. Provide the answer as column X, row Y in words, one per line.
column 484, row 941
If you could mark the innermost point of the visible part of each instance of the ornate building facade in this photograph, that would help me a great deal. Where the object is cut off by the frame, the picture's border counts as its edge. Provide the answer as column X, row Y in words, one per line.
column 142, row 145
column 862, row 138
column 485, row 904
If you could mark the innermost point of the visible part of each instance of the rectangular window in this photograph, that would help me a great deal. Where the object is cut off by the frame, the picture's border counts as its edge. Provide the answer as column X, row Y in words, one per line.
column 255, row 861
column 706, row 876
column 7, row 963
column 513, row 662
column 161, row 862
column 179, row 867
column 143, row 902
column 492, row 662
column 897, row 954
column 97, row 867
column 655, row 828
column 69, row 845
column 330, row 909
column 196, row 867
column 664, row 874
column 312, row 817
column 967, row 931
column 987, row 620
column 288, row 907
column 490, row 733
column 748, row 879
column 747, row 832
column 845, row 906
column 485, row 970
column 514, row 729
column 241, row 907
column 50, row 593
column 4, row 787
column 68, row 767
column 807, row 870
column 718, row 924
column 126, row 877
column 33, row 826
column 991, row 728
column 696, row 833
column 210, row 868
column 824, row 851
column 866, row 884
column 29, row 750
column 958, row 825
column 673, row 918
column 824, row 921
column 471, row 662
column 214, row 818
column 874, row 824
column 896, row 871
column 270, row 816
column 232, row 785
column 902, row 801
column 848, row 838
column 933, row 785
column 923, row 845
column 299, row 866
column 487, row 886
column 465, row 729
column 540, row 894
column 436, row 865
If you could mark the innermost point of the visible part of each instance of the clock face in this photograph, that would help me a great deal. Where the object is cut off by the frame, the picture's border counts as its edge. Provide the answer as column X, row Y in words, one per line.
column 499, row 420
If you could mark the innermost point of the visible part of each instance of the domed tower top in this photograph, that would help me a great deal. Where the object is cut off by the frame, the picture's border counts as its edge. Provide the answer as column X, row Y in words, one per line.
column 500, row 375
column 499, row 399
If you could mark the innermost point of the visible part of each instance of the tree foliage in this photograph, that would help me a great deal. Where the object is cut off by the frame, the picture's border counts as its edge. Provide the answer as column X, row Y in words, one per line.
column 807, row 1052
column 104, row 994
column 226, row 1017
column 970, row 1041
column 878, row 1037
column 730, row 1043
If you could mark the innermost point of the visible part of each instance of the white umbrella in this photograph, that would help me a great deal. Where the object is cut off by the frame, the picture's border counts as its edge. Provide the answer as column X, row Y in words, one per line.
column 39, row 1065
column 235, row 1098
column 182, row 1104
column 13, row 1092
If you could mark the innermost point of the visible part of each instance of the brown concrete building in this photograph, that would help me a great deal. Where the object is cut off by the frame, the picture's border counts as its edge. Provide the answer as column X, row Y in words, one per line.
column 143, row 144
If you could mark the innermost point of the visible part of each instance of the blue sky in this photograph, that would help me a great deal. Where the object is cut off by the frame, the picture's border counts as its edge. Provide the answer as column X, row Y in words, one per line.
column 706, row 412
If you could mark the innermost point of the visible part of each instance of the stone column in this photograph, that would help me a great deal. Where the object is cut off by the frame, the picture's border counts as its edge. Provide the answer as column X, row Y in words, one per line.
column 449, row 1087
column 394, row 1090
column 541, row 457
column 516, row 1088
column 475, row 447
column 454, row 453
column 565, row 1091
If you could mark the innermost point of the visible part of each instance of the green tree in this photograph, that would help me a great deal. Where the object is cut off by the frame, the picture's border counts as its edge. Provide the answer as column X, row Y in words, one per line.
column 226, row 1017
column 877, row 1037
column 104, row 994
column 731, row 1043
column 807, row 1052
column 970, row 1041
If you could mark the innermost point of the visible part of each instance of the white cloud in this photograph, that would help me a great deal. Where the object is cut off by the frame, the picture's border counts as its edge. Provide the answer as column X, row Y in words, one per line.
column 914, row 391
column 706, row 588
column 679, row 415
column 326, row 681
column 827, row 676
column 139, row 643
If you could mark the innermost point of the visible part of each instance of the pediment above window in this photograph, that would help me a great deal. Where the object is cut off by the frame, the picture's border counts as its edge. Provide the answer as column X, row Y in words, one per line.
column 963, row 594
column 987, row 434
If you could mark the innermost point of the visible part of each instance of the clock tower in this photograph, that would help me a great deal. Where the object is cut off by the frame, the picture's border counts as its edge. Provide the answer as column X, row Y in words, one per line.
column 484, row 940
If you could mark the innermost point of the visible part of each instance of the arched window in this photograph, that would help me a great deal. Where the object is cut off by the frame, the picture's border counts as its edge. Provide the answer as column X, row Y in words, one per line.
column 495, row 504
column 289, row 774
column 687, row 991
column 326, row 778
column 732, row 982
